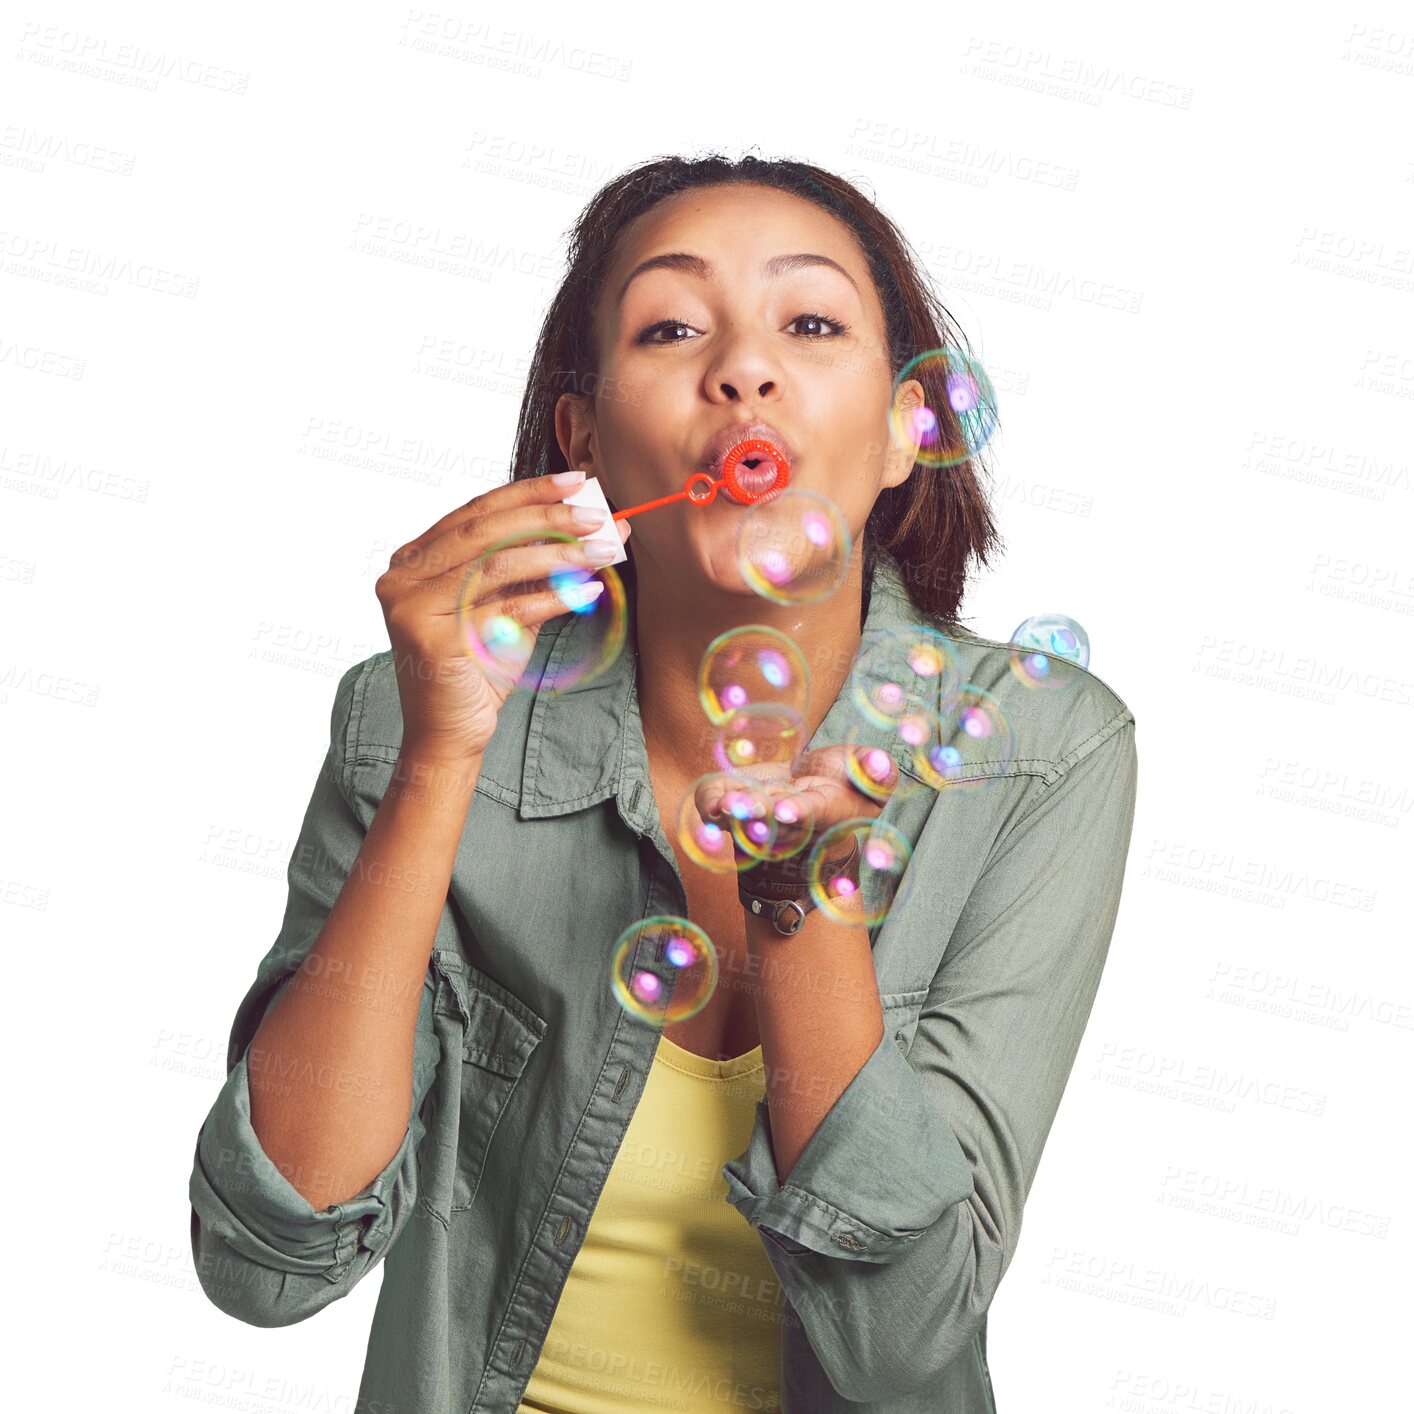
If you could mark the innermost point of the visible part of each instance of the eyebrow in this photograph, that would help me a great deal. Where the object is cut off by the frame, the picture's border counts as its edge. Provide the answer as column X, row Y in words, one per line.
column 702, row 269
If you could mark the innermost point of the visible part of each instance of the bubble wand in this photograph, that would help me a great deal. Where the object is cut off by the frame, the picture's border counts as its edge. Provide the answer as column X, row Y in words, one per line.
column 700, row 489
column 708, row 486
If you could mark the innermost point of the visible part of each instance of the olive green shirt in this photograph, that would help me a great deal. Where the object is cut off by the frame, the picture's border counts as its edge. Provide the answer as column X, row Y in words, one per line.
column 903, row 1212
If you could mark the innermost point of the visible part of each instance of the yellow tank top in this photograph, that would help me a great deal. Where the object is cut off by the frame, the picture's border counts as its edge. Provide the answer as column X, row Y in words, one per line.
column 671, row 1303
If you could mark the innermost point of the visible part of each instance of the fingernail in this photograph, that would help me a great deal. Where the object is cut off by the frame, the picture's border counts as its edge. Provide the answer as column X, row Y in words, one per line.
column 597, row 552
column 567, row 478
column 578, row 595
column 879, row 764
column 590, row 517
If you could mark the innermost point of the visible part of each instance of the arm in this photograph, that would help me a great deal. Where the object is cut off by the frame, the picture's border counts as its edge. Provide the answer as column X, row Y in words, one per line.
column 820, row 1017
column 305, row 1167
column 894, row 1227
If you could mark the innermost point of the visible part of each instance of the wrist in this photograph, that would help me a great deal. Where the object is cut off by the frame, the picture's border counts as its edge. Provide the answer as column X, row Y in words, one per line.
column 777, row 893
column 787, row 878
column 421, row 771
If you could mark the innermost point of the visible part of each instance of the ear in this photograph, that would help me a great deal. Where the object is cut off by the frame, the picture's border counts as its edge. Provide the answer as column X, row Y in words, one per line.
column 574, row 431
column 909, row 396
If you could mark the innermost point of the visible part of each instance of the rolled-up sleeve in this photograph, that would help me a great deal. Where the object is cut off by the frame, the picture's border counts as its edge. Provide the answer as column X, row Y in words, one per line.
column 901, row 1215
column 882, row 1112
column 262, row 1253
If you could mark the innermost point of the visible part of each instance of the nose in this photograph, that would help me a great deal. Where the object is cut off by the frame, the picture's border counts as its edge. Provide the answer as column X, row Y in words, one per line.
column 744, row 372
column 730, row 392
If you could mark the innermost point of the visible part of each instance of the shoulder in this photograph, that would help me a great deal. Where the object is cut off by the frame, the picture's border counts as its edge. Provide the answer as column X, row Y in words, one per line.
column 366, row 718
column 1055, row 725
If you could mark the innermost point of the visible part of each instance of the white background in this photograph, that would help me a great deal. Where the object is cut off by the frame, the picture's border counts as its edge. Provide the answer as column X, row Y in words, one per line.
column 1181, row 243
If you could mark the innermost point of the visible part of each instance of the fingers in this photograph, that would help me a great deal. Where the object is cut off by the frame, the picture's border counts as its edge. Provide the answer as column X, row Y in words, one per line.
column 533, row 609
column 531, row 507
column 515, row 568
column 531, row 490
column 827, row 800
column 832, row 761
column 803, row 804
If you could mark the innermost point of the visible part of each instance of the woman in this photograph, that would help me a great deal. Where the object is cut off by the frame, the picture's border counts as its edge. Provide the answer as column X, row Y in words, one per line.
column 804, row 1195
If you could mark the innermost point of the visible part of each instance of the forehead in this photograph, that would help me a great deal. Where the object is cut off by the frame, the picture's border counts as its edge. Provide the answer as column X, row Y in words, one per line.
column 739, row 220
column 736, row 227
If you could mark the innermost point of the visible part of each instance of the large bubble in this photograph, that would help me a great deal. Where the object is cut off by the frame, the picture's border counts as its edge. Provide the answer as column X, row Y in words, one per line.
column 973, row 733
column 664, row 970
column 858, row 871
column 794, row 548
column 900, row 666
column 764, row 734
column 529, row 567
column 960, row 421
column 1044, row 634
column 749, row 666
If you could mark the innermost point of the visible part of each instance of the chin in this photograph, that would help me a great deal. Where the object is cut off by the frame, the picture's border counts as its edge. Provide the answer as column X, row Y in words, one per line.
column 718, row 566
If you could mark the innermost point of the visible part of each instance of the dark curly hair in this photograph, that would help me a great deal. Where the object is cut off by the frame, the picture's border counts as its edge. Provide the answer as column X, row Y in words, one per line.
column 933, row 526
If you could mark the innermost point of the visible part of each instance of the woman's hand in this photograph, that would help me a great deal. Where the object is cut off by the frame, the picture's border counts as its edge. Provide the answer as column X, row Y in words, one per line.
column 816, row 794
column 450, row 702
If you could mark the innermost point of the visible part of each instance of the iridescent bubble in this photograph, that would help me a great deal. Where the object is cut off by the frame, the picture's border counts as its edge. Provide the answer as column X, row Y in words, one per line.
column 794, row 548
column 752, row 821
column 664, row 970
column 765, row 819
column 1045, row 634
column 706, row 842
column 747, row 666
column 858, row 871
column 768, row 818
column 974, row 731
column 961, row 413
column 873, row 753
column 764, row 734
column 532, row 566
column 901, row 666
column 747, row 809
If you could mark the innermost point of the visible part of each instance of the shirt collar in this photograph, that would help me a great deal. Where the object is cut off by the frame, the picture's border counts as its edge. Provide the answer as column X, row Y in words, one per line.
column 585, row 743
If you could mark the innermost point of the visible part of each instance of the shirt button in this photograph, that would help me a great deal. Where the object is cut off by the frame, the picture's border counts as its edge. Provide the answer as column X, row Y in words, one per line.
column 899, row 1038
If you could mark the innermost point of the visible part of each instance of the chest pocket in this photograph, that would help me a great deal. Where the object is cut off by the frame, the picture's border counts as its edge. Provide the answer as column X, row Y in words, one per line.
column 495, row 1033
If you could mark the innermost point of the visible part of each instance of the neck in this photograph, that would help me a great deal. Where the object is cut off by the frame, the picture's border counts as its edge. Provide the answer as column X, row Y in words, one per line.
column 674, row 622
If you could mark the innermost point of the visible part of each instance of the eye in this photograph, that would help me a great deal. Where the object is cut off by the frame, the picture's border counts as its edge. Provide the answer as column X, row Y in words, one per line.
column 835, row 324
column 673, row 325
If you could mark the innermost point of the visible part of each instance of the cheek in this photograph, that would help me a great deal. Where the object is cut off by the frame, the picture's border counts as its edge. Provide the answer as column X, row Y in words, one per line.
column 854, row 485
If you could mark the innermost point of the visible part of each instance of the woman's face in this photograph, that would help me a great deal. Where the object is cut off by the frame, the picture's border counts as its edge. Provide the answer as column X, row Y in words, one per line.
column 689, row 349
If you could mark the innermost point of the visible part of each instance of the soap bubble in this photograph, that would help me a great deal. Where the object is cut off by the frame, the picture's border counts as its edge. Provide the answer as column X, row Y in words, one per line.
column 753, row 824
column 863, row 889
column 794, row 548
column 974, row 731
column 950, row 432
column 747, row 809
column 586, row 644
column 706, row 842
column 763, row 734
column 747, row 666
column 900, row 666
column 664, row 970
column 871, row 749
column 795, row 826
column 1045, row 634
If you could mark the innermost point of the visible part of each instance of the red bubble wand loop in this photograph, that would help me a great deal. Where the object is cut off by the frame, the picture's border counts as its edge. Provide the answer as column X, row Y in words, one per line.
column 700, row 489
